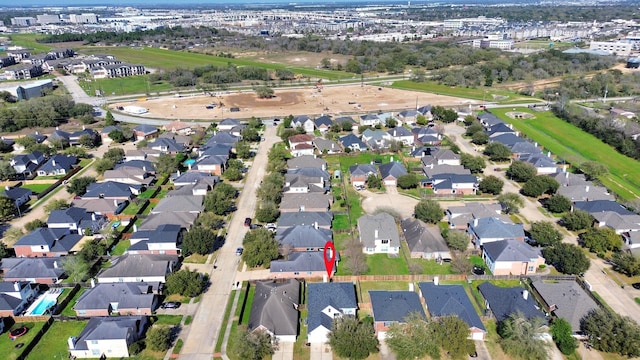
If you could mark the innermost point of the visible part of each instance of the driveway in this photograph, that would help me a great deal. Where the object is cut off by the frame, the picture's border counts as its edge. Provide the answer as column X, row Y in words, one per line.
column 321, row 352
column 402, row 204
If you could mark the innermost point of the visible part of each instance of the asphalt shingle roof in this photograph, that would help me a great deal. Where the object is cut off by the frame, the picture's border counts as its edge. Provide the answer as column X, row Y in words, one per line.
column 290, row 219
column 506, row 301
column 571, row 302
column 127, row 295
column 511, row 250
column 382, row 223
column 304, row 236
column 338, row 295
column 394, row 305
column 444, row 300
column 273, row 307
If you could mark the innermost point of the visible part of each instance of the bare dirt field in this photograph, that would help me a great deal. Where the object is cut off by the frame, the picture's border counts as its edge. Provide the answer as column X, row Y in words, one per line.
column 329, row 100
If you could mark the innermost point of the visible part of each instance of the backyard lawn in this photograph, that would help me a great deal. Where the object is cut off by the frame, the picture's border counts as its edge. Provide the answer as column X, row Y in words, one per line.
column 37, row 188
column 7, row 349
column 341, row 222
column 383, row 264
column 365, row 286
column 53, row 344
column 68, row 311
column 120, row 247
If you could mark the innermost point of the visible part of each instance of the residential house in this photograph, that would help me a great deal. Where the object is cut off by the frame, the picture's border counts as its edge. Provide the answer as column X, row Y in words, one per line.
column 176, row 204
column 488, row 120
column 444, row 170
column 215, row 150
column 34, row 270
column 353, row 143
column 275, row 309
column 619, row 223
column 57, row 165
column 301, row 265
column 326, row 302
column 45, row 242
column 323, row 123
column 459, row 217
column 301, row 144
column 325, row 146
column 104, row 133
column 145, row 154
column 193, row 178
column 424, row 241
column 387, row 116
column 313, row 202
column 425, row 111
column 304, row 122
column 304, row 238
column 18, row 195
column 509, row 140
column 138, row 268
column 370, row 120
column 223, row 137
column 426, row 136
column 184, row 140
column 165, row 239
column 75, row 137
column 448, row 300
column 500, row 129
column 543, row 163
column 418, row 152
column 304, row 180
column 358, row 174
column 511, row 257
column 76, row 220
column 112, row 190
column 504, row 301
column 307, row 161
column 601, row 206
column 379, row 234
column 490, row 229
column 14, row 297
column 408, row 117
column 588, row 192
column 524, row 149
column 107, row 336
column 391, row 307
column 129, row 175
column 376, row 139
column 145, row 165
column 228, row 124
column 26, row 164
column 183, row 219
column 454, row 184
column 440, row 157
column 178, row 127
column 321, row 220
column 107, row 208
column 401, row 135
column 213, row 164
column 565, row 299
column 144, row 132
column 565, row 178
column 390, row 172
column 344, row 119
column 127, row 298
column 165, row 145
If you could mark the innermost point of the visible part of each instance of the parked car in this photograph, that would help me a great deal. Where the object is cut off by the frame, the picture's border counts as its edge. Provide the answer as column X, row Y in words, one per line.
column 636, row 285
column 478, row 270
column 247, row 222
column 170, row 305
column 239, row 251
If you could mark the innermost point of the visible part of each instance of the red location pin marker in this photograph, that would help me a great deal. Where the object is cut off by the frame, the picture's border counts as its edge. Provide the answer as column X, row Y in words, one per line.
column 329, row 261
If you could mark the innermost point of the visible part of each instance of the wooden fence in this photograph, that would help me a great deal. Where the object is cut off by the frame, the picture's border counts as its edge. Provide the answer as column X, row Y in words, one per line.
column 29, row 346
column 57, row 183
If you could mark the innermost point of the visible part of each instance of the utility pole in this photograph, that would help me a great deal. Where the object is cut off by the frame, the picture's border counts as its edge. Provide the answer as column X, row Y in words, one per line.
column 606, row 91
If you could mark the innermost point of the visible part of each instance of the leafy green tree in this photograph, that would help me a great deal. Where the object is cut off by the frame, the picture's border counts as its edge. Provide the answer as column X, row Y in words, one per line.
column 391, row 122
column 421, row 120
column 253, row 345
column 250, row 134
column 210, row 220
column 475, row 164
column 88, row 141
column 91, row 250
column 7, row 171
column 4, row 250
column 76, row 268
column 413, row 339
column 374, row 182
column 352, row 339
column 491, row 184
column 58, row 143
column 577, row 220
column 480, row 138
column 473, row 128
column 264, row 92
column 34, row 224
column 115, row 154
column 457, row 240
column 267, row 212
column 8, row 209
column 566, row 258
column 117, row 136
column 217, row 202
column 56, row 204
column 593, row 169
column 5, row 147
column 429, row 211
column 198, row 240
column 601, row 240
column 232, row 174
column 167, row 164
column 77, row 152
column 520, row 337
column 558, row 204
column 243, row 150
column 511, row 202
column 408, row 181
column 452, row 333
column 79, row 185
column 11, row 235
column 521, row 171
column 545, row 234
column 538, row 185
column 159, row 338
column 104, row 164
column 109, row 119
column 271, row 188
column 562, row 335
column 626, row 263
column 185, row 282
column 611, row 332
column 260, row 248
column 497, row 152
column 347, row 126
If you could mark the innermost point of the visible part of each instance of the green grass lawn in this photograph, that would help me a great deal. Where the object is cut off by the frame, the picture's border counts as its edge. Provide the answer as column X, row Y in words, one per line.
column 172, row 320
column 485, row 94
column 147, row 193
column 355, row 207
column 120, row 247
column 68, row 311
column 7, row 349
column 225, row 319
column 576, row 146
column 132, row 209
column 123, row 86
column 29, row 41
column 341, row 222
column 300, row 351
column 344, row 161
column 383, row 264
column 37, row 188
column 54, row 343
column 365, row 286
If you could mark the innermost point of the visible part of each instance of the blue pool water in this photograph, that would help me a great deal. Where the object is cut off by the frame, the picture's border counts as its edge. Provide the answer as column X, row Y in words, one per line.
column 42, row 306
column 190, row 161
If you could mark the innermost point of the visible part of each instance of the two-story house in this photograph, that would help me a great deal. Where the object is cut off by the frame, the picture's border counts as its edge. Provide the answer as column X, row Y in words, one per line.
column 379, row 234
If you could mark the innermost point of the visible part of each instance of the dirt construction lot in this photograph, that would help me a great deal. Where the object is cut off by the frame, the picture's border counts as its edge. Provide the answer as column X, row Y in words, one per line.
column 332, row 100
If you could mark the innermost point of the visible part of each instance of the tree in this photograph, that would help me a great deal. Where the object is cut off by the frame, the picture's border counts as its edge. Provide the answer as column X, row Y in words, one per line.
column 626, row 263
column 56, row 204
column 352, row 339
column 457, row 240
column 159, row 338
column 7, row 171
column 264, row 92
column 511, row 202
column 593, row 169
column 475, row 164
column 473, row 128
column 356, row 261
column 91, row 250
column 413, row 339
column 4, row 250
column 421, row 120
column 374, row 182
column 562, row 335
column 521, row 337
column 76, row 151
column 108, row 119
column 610, row 332
column 601, row 240
column 76, row 268
column 260, row 248
column 115, row 154
column 103, row 165
column 232, row 174
column 185, row 283
column 167, row 164
column 267, row 212
column 253, row 345
column 408, row 181
column 210, row 220
column 497, row 152
column 480, row 138
column 347, row 126
column 8, row 209
column 460, row 263
column 117, row 136
column 88, row 141
column 11, row 235
column 429, row 211
column 250, row 134
column 558, row 204
column 538, row 185
column 577, row 220
column 521, row 171
column 34, row 224
column 491, row 184
column 198, row 240
column 79, row 185
column 452, row 336
column 566, row 258
column 243, row 150
column 545, row 234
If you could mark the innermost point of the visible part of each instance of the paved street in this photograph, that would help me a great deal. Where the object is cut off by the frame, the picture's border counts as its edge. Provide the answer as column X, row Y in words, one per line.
column 207, row 321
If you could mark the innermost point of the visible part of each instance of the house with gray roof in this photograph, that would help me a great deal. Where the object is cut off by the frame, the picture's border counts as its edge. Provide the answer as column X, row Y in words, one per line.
column 459, row 217
column 192, row 178
column 275, row 309
column 323, row 123
column 489, row 229
column 424, row 241
column 454, row 184
column 500, row 129
column 321, row 220
column 501, row 302
column 379, row 234
column 566, row 178
column 370, row 120
column 325, row 302
column 108, row 336
column 390, row 307
column 57, row 165
column 183, row 219
column 129, row 175
column 14, row 297
column 145, row 165
column 215, row 150
column 36, row 270
column 144, row 131
column 74, row 137
column 376, row 139
column 390, row 172
column 213, row 164
column 434, row 170
column 488, row 120
column 301, row 265
column 358, row 174
column 26, row 164
column 408, row 116
column 313, row 202
column 223, row 137
column 20, row 196
column 601, row 206
column 524, row 149
column 112, row 190
column 307, row 161
column 586, row 192
column 166, row 145
column 440, row 157
column 304, row 238
column 117, row 299
column 45, row 242
column 304, row 122
column 353, row 143
column 565, row 299
column 325, row 146
column 425, row 110
column 76, row 220
column 137, row 268
column 165, row 239
column 619, row 223
column 544, row 164
column 344, row 119
column 511, row 257
column 228, row 124
column 305, row 180
column 402, row 135
column 187, row 203
column 104, row 207
column 447, row 300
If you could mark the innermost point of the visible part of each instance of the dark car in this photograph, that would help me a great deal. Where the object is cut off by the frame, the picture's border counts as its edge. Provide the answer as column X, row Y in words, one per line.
column 239, row 251
column 255, row 226
column 170, row 305
column 478, row 270
column 247, row 222
column 636, row 285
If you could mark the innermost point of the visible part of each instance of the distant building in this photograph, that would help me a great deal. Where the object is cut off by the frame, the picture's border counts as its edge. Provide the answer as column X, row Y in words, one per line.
column 619, row 48
column 84, row 18
column 23, row 21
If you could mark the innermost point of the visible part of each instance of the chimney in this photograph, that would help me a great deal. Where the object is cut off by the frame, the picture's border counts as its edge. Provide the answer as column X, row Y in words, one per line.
column 135, row 228
column 178, row 173
column 315, row 156
column 475, row 222
column 395, row 132
column 375, row 233
column 16, row 286
column 333, row 146
column 391, row 160
column 71, row 342
column 55, row 264
column 7, row 187
column 315, row 225
column 93, row 283
column 93, row 216
column 115, row 202
column 586, row 189
column 566, row 175
column 57, row 128
column 144, row 168
column 83, row 128
column 549, row 153
column 436, row 280
column 53, row 162
column 525, row 294
column 535, row 144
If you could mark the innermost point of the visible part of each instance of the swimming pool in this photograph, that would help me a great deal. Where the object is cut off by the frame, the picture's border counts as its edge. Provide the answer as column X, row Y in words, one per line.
column 190, row 161
column 42, row 306
column 43, row 303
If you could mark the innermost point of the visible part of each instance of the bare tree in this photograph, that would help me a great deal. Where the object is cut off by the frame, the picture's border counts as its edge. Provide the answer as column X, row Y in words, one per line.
column 415, row 268
column 460, row 263
column 356, row 260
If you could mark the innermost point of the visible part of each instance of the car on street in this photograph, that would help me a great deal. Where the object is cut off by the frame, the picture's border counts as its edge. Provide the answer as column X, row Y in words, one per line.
column 636, row 285
column 247, row 222
column 239, row 251
column 170, row 305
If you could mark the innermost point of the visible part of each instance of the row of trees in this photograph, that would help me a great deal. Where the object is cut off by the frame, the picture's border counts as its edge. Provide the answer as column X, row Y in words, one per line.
column 45, row 111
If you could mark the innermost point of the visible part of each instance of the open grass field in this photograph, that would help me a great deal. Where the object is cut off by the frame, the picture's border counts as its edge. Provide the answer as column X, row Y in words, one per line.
column 383, row 264
column 36, row 188
column 7, row 349
column 365, row 286
column 484, row 94
column 576, row 146
column 29, row 41
column 53, row 344
column 124, row 86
